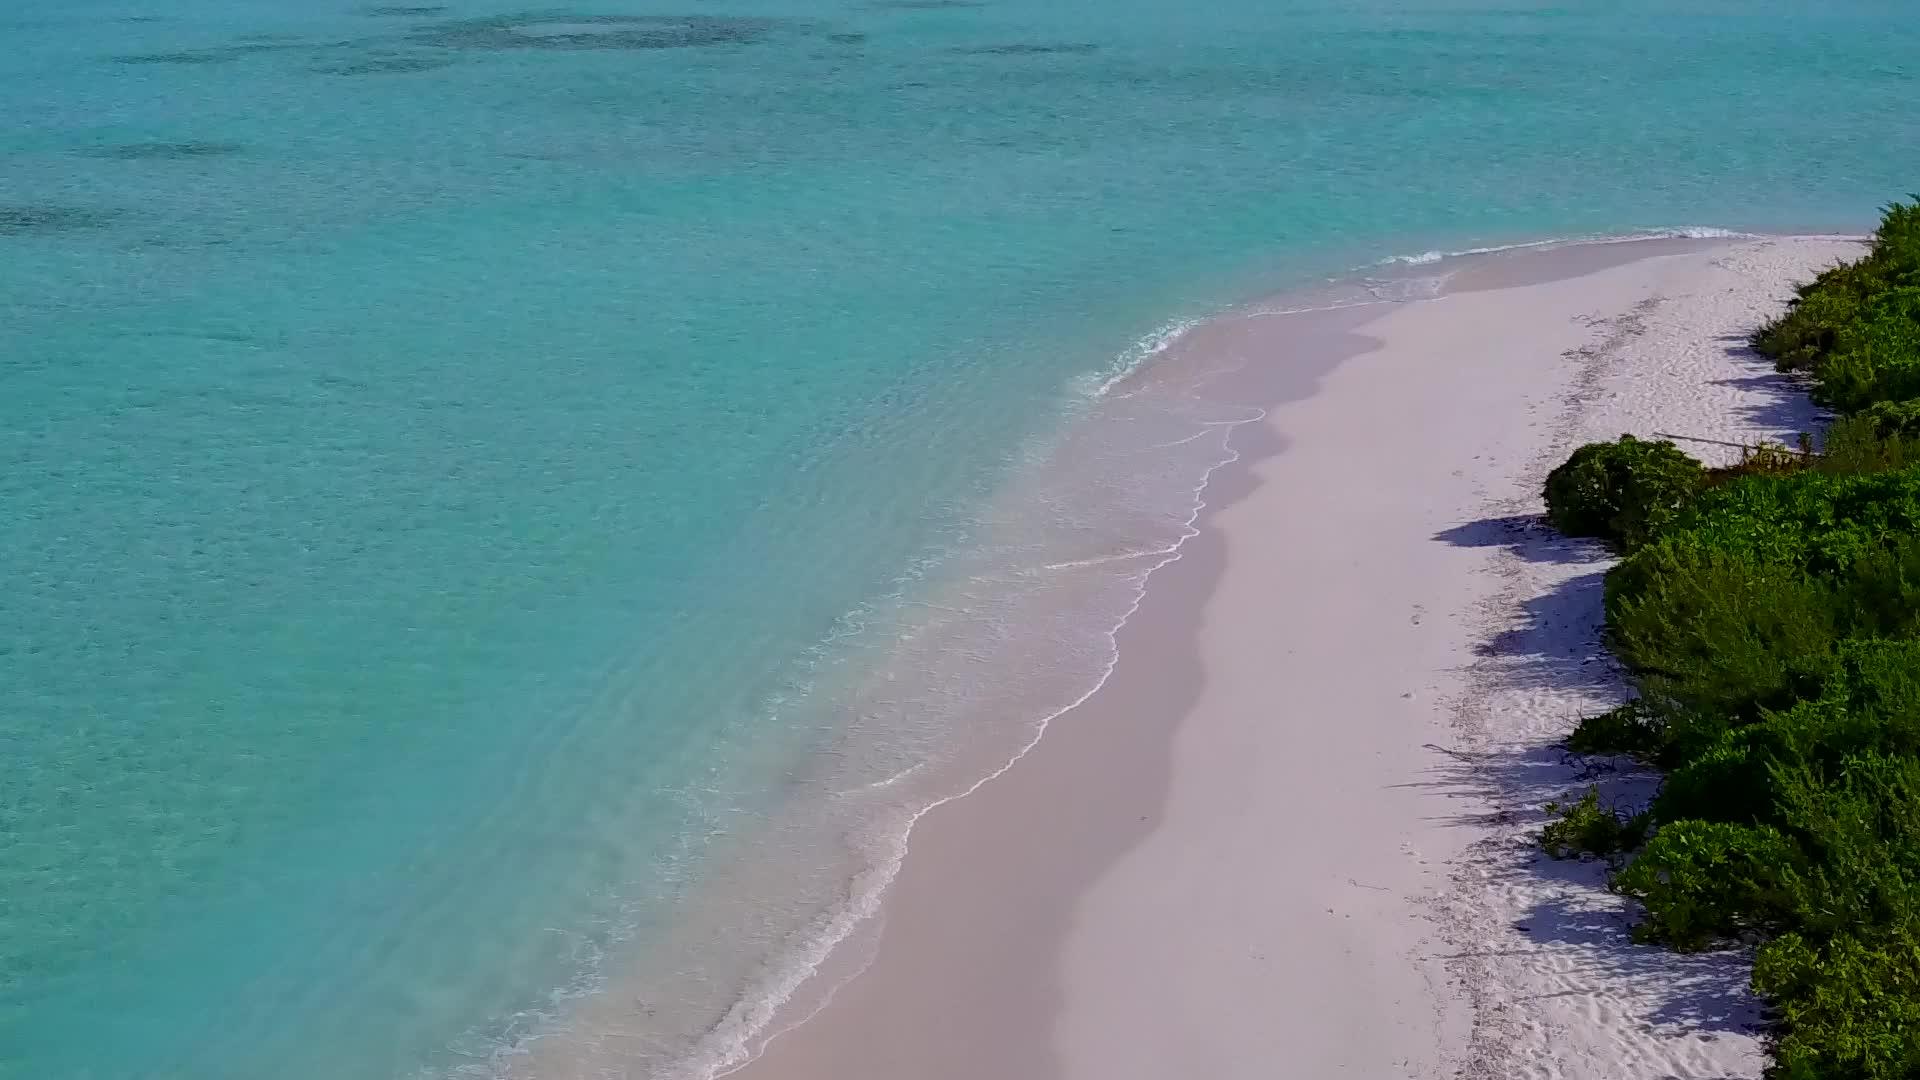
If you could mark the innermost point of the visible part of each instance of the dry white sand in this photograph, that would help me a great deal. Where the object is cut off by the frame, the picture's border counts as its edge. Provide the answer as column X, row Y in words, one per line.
column 1291, row 836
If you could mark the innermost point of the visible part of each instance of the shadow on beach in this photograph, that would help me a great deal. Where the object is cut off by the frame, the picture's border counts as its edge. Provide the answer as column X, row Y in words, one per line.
column 1572, row 926
column 1783, row 404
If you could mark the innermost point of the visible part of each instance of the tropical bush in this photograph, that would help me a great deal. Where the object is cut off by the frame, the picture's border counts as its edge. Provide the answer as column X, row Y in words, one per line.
column 1728, row 783
column 1585, row 829
column 1858, row 444
column 1837, row 303
column 1621, row 491
column 1847, row 1007
column 1813, row 519
column 1705, row 881
column 1714, row 636
column 1868, row 703
column 1822, row 310
column 1894, row 419
column 1876, row 359
column 1635, row 729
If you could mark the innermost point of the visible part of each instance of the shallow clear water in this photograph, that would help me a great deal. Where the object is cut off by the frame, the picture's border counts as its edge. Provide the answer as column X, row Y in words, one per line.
column 463, row 467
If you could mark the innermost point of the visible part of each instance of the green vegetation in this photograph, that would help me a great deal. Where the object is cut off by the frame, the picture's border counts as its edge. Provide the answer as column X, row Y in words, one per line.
column 1769, row 614
column 1850, row 322
column 1633, row 729
column 1621, row 491
column 1587, row 830
column 1707, row 880
column 1894, row 419
column 1856, row 444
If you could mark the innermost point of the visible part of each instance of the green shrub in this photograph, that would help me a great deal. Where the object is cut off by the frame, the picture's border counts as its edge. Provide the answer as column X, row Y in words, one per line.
column 1841, row 875
column 1879, row 679
column 1828, row 313
column 1894, row 419
column 1621, row 492
column 1867, row 703
column 1876, row 359
column 1859, row 826
column 1846, row 1008
column 1585, row 829
column 1766, row 459
column 1713, row 636
column 1857, row 444
column 1728, row 783
column 1813, row 519
column 1821, row 310
column 1704, row 881
column 1741, row 604
column 1880, row 594
column 1634, row 729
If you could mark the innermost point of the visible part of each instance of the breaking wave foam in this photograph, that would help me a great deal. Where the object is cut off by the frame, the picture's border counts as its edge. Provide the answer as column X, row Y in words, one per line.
column 1683, row 232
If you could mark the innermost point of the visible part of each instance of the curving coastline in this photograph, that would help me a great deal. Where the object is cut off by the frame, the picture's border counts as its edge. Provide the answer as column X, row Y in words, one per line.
column 1067, row 866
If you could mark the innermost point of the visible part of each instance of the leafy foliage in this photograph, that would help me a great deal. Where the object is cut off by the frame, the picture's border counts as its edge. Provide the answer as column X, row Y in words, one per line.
column 1864, row 443
column 1813, row 519
column 1714, row 636
column 1833, row 310
column 1848, row 1007
column 1586, row 829
column 1635, row 729
column 1876, row 359
column 1621, row 491
column 1894, row 419
column 1703, row 881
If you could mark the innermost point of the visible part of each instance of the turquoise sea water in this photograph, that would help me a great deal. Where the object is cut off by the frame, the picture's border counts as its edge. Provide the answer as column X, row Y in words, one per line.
column 464, row 466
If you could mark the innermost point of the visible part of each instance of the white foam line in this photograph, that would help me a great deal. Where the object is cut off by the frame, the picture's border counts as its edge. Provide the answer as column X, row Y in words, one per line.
column 1162, row 339
column 1179, row 442
column 1102, row 560
column 1141, row 352
column 1682, row 232
column 866, row 901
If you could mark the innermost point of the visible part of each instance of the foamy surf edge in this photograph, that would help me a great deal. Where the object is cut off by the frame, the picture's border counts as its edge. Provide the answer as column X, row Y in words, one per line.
column 1096, row 385
column 1679, row 232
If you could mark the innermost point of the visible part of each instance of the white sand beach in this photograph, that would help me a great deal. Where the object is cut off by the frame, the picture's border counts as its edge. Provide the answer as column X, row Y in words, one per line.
column 1291, row 836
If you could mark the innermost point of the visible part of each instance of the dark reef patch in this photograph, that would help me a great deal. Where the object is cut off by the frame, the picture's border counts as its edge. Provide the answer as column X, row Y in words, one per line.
column 541, row 30
column 225, row 54
column 847, row 39
column 39, row 220
column 163, row 151
column 209, row 56
column 388, row 64
column 1019, row 49
column 546, row 30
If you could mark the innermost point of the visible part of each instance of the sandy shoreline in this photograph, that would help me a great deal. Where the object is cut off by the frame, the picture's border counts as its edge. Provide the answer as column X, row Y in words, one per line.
column 1287, row 836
